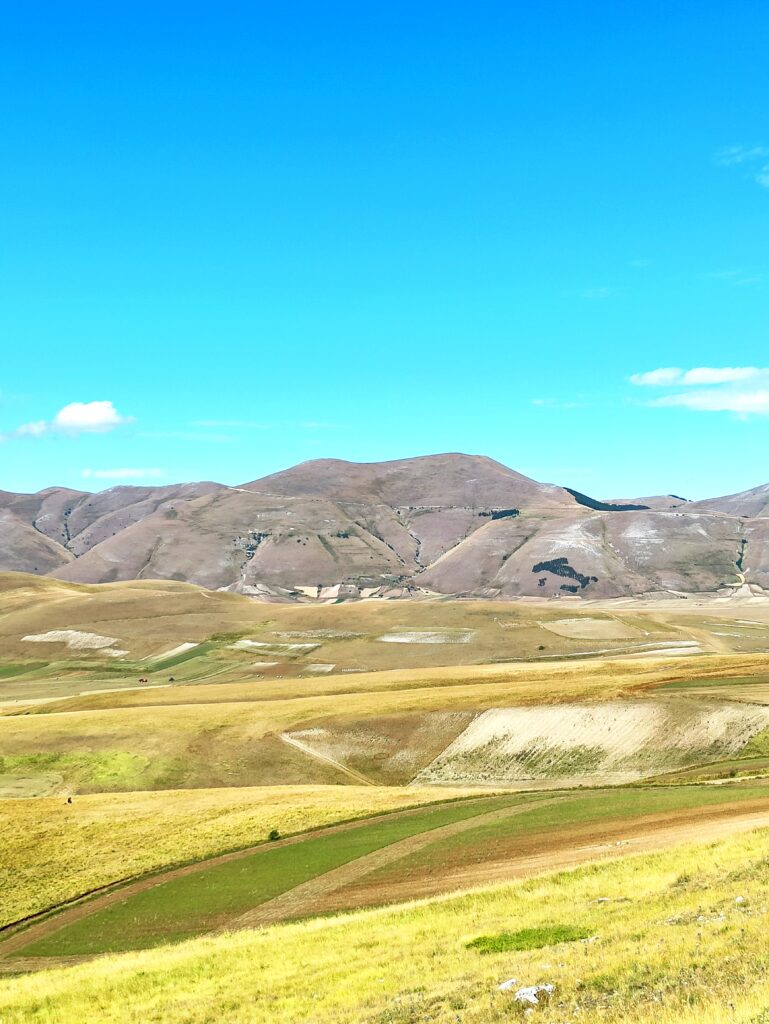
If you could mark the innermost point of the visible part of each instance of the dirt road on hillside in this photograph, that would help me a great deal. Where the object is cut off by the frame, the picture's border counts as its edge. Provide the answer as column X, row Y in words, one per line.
column 567, row 848
column 301, row 900
column 526, row 856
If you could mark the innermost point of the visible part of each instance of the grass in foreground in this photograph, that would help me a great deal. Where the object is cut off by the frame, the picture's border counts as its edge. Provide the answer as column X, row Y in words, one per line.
column 215, row 895
column 680, row 938
column 52, row 851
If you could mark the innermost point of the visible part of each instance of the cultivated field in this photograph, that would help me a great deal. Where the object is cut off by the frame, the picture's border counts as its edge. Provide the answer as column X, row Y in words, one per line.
column 294, row 763
column 676, row 937
column 58, row 639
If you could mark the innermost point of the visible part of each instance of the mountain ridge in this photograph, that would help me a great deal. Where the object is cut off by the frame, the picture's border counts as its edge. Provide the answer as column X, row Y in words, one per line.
column 452, row 524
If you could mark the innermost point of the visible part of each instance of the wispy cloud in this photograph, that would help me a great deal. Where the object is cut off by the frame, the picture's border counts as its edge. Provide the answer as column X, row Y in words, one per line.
column 197, row 436
column 732, row 155
column 233, row 424
column 125, row 473
column 673, row 376
column 738, row 278
column 658, row 378
column 714, row 388
column 75, row 418
column 260, row 425
column 720, row 400
column 597, row 293
column 753, row 158
column 554, row 403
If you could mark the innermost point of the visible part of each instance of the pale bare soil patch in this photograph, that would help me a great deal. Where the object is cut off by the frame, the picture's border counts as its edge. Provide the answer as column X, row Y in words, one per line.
column 626, row 740
column 586, row 628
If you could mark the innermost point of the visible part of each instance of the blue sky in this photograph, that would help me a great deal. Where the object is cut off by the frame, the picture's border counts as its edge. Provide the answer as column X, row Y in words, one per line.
column 255, row 234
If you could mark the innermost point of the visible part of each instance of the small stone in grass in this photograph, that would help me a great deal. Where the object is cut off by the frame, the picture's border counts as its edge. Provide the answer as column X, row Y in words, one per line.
column 530, row 995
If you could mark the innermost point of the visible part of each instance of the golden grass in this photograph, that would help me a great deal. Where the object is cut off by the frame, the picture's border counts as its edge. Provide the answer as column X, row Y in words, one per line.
column 516, row 682
column 148, row 617
column 52, row 851
column 225, row 734
column 681, row 939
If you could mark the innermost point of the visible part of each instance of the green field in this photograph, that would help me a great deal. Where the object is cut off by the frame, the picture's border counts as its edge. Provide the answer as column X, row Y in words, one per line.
column 209, row 899
column 673, row 938
column 215, row 895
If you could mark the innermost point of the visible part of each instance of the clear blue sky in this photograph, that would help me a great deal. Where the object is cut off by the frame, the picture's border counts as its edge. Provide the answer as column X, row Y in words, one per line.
column 272, row 232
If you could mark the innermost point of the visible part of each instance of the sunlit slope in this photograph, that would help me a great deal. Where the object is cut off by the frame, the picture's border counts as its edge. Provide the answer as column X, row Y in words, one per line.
column 385, row 727
column 666, row 944
column 52, row 851
column 59, row 639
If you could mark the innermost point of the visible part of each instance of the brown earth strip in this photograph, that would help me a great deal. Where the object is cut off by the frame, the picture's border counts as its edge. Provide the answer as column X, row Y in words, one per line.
column 564, row 851
column 559, row 850
column 303, row 899
column 54, row 918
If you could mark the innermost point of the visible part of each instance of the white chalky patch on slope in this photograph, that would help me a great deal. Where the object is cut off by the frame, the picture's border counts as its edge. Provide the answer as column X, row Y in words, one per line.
column 250, row 645
column 73, row 638
column 574, row 538
column 631, row 737
column 181, row 649
column 642, row 532
column 435, row 636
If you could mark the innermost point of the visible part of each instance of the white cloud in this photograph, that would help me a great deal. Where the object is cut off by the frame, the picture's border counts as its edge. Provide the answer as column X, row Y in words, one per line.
column 88, row 416
column 75, row 418
column 658, row 378
column 596, row 293
column 671, row 376
column 133, row 473
column 750, row 155
column 720, row 400
column 715, row 388
column 32, row 429
column 721, row 375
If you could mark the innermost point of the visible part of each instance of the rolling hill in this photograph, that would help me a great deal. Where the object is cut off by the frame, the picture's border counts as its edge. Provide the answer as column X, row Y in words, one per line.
column 445, row 525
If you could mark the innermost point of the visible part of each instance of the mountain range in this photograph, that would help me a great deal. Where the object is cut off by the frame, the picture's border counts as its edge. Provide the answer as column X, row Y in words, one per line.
column 444, row 524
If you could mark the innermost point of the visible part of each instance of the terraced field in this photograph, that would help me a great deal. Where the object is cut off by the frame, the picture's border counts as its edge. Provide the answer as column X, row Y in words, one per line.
column 399, row 856
column 677, row 937
column 60, row 639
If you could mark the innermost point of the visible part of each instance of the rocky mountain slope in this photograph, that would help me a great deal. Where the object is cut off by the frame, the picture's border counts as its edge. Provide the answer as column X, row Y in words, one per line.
column 448, row 524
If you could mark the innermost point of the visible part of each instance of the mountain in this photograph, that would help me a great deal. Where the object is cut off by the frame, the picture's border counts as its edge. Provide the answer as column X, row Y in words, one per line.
column 444, row 524
column 753, row 504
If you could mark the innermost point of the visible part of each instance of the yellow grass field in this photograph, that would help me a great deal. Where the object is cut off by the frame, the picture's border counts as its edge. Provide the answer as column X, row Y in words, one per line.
column 228, row 734
column 52, row 851
column 672, row 938
column 519, row 683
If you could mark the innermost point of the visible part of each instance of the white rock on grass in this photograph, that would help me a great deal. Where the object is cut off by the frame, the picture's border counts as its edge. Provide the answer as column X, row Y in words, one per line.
column 530, row 995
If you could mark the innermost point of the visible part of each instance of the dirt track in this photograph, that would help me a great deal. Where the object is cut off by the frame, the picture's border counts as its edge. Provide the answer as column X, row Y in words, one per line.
column 336, row 890
column 564, row 849
column 302, row 900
